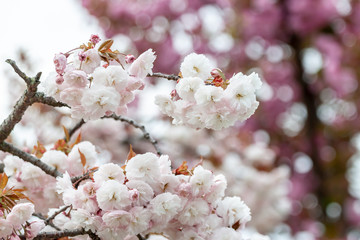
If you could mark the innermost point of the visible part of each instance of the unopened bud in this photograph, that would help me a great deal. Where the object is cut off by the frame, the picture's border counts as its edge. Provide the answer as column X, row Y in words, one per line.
column 129, row 59
column 215, row 73
column 59, row 79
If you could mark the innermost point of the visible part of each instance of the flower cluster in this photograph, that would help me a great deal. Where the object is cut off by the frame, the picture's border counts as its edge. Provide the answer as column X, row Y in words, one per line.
column 41, row 187
column 17, row 219
column 97, row 82
column 15, row 216
column 203, row 98
column 145, row 196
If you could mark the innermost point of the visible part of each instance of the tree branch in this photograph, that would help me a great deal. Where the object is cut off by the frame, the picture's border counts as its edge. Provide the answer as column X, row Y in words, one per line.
column 162, row 75
column 29, row 97
column 49, row 219
column 18, row 71
column 40, row 216
column 141, row 127
column 64, row 233
column 7, row 147
column 75, row 128
column 41, row 98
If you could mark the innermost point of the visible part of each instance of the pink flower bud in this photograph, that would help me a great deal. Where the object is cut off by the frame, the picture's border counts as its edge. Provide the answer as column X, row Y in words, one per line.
column 94, row 39
column 108, row 113
column 59, row 79
column 174, row 95
column 215, row 73
column 60, row 63
column 129, row 59
column 134, row 194
column 82, row 56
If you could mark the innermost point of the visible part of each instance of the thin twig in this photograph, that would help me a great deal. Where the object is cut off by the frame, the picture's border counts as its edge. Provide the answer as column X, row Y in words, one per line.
column 40, row 216
column 137, row 125
column 18, row 71
column 41, row 98
column 52, row 217
column 7, row 147
column 77, row 179
column 162, row 75
column 75, row 128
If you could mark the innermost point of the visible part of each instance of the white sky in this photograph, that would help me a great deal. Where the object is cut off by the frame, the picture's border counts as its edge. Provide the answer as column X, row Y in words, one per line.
column 42, row 28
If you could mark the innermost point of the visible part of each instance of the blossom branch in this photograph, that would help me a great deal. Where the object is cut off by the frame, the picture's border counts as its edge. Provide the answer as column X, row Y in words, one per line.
column 162, row 75
column 141, row 127
column 64, row 233
column 7, row 147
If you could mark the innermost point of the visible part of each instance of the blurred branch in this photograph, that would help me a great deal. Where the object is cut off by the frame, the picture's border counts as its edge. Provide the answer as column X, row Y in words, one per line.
column 162, row 75
column 75, row 128
column 141, row 127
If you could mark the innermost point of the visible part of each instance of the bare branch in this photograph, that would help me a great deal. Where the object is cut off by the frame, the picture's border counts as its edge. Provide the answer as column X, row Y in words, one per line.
column 52, row 217
column 29, row 97
column 9, row 123
column 18, row 71
column 40, row 216
column 137, row 125
column 64, row 233
column 162, row 75
column 75, row 128
column 7, row 147
column 41, row 98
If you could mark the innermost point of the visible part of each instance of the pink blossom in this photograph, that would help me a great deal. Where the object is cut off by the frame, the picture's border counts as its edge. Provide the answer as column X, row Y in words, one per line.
column 60, row 61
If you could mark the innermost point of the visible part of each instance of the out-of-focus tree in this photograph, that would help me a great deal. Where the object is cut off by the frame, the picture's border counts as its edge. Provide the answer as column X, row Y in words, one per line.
column 306, row 51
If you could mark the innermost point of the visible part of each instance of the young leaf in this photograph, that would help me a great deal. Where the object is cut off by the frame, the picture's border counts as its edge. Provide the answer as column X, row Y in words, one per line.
column 66, row 134
column 131, row 153
column 83, row 158
column 3, row 181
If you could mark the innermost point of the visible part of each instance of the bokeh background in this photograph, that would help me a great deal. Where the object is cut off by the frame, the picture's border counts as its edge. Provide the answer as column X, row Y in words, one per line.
column 296, row 162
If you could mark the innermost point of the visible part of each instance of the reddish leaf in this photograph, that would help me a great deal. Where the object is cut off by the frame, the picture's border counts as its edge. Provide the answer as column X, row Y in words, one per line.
column 38, row 150
column 3, row 181
column 66, row 134
column 83, row 158
column 106, row 45
column 131, row 154
column 78, row 139
column 182, row 169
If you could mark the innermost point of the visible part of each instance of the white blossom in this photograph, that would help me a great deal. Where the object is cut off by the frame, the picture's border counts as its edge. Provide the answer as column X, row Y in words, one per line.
column 143, row 167
column 194, row 212
column 113, row 195
column 233, row 210
column 165, row 206
column 196, row 65
column 109, row 171
column 143, row 65
column 98, row 101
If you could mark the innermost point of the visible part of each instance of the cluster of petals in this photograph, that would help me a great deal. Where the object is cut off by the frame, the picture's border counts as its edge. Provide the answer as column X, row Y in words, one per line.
column 197, row 103
column 40, row 187
column 145, row 196
column 15, row 221
column 94, row 88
